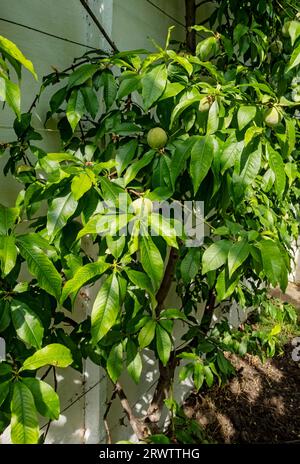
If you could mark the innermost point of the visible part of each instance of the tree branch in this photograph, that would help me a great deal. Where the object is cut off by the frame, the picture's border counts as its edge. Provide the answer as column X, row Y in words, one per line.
column 99, row 25
column 140, row 429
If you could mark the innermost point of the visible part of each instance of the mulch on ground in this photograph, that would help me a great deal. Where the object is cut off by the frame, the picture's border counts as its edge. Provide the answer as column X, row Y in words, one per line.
column 260, row 405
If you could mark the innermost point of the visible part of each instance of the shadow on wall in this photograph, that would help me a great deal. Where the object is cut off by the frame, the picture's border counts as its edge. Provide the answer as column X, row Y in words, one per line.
column 260, row 405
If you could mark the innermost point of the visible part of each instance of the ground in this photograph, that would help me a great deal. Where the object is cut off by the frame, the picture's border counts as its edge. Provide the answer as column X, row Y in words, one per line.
column 260, row 405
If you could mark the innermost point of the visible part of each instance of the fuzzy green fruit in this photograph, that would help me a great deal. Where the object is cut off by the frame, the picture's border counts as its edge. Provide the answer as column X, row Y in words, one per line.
column 276, row 47
column 157, row 138
column 208, row 48
column 142, row 206
column 272, row 117
column 285, row 29
column 204, row 105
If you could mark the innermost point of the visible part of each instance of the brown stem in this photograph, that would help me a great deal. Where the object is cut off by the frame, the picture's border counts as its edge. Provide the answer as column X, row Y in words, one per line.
column 99, row 25
column 190, row 20
column 166, row 373
column 167, row 281
column 108, row 406
column 162, row 390
column 140, row 430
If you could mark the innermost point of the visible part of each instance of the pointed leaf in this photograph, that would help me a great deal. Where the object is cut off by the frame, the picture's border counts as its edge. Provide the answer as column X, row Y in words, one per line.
column 163, row 344
column 27, row 324
column 151, row 260
column 215, row 256
column 45, row 398
column 115, row 362
column 154, row 84
column 24, row 422
column 201, row 159
column 40, row 265
column 238, row 253
column 54, row 355
column 60, row 210
column 8, row 253
column 147, row 334
column 75, row 108
column 134, row 361
column 106, row 308
column 82, row 276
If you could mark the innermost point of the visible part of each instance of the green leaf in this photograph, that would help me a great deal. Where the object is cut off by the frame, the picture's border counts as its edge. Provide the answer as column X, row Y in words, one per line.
column 190, row 265
column 8, row 253
column 60, row 210
column 40, row 265
column 201, row 159
column 13, row 96
column 163, row 344
column 114, row 363
column 172, row 314
column 294, row 30
column 238, row 253
column 80, row 185
column 183, row 105
column 81, row 75
column 252, row 133
column 57, row 99
column 75, row 108
column 54, row 355
column 198, row 375
column 106, row 308
column 147, row 334
column 245, row 115
column 125, row 154
column 215, row 256
column 213, row 119
column 161, row 226
column 277, row 166
column 110, row 88
column 11, row 49
column 209, row 378
column 225, row 286
column 129, row 85
column 154, row 84
column 45, row 398
column 24, row 421
column 4, row 315
column 134, row 168
column 27, row 324
column 273, row 263
column 8, row 217
column 252, row 164
column 4, row 390
column 116, row 245
column 140, row 279
column 151, row 260
column 91, row 101
column 134, row 361
column 231, row 153
column 295, row 59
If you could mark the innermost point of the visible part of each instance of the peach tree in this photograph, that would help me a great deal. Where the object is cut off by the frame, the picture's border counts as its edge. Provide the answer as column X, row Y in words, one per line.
column 217, row 125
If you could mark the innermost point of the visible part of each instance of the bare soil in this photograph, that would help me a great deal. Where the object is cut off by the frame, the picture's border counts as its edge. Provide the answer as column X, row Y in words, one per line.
column 260, row 405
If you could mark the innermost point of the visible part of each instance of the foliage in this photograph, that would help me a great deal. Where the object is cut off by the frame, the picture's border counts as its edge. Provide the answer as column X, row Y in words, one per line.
column 230, row 114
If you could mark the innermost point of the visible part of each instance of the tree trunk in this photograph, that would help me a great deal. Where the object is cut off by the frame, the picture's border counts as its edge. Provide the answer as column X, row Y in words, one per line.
column 190, row 20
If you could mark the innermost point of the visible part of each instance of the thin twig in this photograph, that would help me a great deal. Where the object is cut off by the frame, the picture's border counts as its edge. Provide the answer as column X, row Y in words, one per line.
column 99, row 25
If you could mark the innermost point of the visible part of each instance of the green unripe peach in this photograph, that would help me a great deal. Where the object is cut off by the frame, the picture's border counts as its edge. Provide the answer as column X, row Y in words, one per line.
column 204, row 105
column 208, row 48
column 157, row 138
column 142, row 206
column 276, row 47
column 272, row 117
